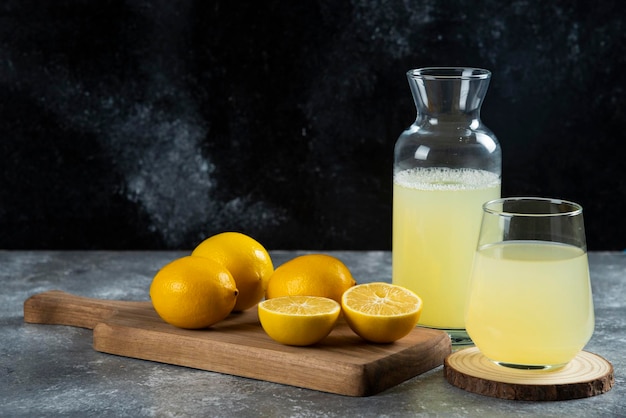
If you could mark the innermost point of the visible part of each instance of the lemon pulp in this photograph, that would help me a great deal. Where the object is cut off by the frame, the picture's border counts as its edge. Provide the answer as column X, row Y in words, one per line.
column 381, row 312
column 298, row 320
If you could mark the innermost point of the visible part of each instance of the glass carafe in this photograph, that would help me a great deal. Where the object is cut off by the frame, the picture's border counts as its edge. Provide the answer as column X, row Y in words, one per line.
column 446, row 165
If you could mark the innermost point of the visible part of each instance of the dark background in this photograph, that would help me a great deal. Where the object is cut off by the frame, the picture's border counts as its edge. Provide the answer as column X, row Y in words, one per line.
column 154, row 124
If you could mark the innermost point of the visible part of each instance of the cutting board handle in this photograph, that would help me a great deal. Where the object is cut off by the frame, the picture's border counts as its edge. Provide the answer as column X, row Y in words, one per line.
column 56, row 307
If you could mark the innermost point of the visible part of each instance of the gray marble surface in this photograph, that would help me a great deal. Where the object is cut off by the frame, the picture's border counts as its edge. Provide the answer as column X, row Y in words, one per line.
column 50, row 370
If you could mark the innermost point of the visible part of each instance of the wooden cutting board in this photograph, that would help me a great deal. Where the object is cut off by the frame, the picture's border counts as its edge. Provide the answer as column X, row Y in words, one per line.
column 342, row 363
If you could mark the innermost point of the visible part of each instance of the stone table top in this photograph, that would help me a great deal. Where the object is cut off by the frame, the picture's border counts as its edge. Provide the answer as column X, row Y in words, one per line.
column 50, row 370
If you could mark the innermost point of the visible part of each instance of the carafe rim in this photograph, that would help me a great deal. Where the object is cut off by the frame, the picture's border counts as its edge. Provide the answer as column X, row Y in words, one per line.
column 449, row 73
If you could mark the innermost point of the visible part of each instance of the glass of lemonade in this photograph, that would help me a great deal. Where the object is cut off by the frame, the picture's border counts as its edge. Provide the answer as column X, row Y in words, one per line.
column 530, row 304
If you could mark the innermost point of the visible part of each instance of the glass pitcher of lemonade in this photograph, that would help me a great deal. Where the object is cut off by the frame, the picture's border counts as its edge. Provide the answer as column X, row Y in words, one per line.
column 446, row 165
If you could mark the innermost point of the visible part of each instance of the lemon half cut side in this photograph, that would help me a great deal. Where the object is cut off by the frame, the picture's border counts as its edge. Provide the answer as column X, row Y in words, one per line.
column 381, row 312
column 298, row 320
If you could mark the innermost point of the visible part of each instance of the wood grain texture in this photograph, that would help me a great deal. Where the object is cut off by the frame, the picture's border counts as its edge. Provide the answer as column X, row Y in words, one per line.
column 55, row 307
column 586, row 375
column 342, row 363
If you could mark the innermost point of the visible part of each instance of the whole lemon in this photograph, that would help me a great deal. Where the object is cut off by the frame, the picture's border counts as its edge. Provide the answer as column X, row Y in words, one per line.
column 311, row 275
column 192, row 292
column 247, row 260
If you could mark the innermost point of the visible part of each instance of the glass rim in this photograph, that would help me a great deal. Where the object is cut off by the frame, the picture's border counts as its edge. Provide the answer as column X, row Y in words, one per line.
column 450, row 73
column 575, row 208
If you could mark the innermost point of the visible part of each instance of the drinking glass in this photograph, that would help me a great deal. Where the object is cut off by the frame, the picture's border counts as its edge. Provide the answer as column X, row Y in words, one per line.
column 530, row 303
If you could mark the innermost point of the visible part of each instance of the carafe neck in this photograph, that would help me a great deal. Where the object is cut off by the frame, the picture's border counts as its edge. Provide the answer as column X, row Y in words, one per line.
column 444, row 94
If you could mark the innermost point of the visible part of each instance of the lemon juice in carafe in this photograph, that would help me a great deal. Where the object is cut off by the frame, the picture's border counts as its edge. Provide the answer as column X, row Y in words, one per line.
column 436, row 221
column 446, row 165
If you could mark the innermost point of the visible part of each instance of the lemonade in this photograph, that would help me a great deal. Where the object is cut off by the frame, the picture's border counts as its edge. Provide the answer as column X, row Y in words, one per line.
column 530, row 302
column 436, row 221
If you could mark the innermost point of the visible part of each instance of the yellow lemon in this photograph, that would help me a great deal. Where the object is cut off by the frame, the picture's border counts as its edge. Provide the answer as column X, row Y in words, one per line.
column 381, row 312
column 191, row 292
column 310, row 275
column 298, row 320
column 246, row 259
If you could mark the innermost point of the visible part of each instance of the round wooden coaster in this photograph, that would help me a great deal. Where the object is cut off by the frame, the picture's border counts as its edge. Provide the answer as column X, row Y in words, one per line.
column 586, row 375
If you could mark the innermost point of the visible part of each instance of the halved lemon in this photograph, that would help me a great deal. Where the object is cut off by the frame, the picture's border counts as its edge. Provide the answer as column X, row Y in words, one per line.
column 381, row 312
column 298, row 320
